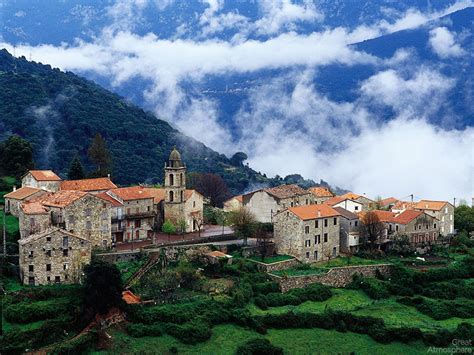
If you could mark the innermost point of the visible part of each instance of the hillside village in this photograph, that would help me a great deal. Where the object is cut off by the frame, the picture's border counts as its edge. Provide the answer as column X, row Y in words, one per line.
column 62, row 221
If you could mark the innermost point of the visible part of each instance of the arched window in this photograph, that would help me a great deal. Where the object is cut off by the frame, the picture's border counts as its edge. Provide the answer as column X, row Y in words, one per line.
column 182, row 179
column 182, row 196
column 171, row 179
column 171, row 196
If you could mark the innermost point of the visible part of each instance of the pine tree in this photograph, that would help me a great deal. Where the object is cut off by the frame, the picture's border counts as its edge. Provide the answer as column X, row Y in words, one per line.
column 76, row 171
column 99, row 155
column 16, row 156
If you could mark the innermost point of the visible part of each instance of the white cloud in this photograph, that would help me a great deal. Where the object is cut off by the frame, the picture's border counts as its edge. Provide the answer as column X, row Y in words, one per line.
column 212, row 22
column 443, row 43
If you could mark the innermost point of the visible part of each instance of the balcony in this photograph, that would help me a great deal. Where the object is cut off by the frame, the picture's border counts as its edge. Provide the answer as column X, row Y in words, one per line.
column 118, row 228
column 142, row 214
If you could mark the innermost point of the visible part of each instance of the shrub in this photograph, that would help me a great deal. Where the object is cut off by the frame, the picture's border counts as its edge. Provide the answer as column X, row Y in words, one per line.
column 258, row 346
column 261, row 302
column 374, row 288
column 192, row 332
column 312, row 292
column 141, row 330
column 266, row 287
column 25, row 313
column 441, row 309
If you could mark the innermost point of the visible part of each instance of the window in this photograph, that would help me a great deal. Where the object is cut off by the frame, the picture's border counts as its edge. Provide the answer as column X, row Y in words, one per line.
column 129, row 223
column 48, row 252
column 83, row 243
column 182, row 196
column 48, row 239
column 325, row 237
column 148, row 208
column 31, row 268
column 316, row 224
column 334, row 252
column 325, row 222
column 88, row 225
column 171, row 179
column 317, row 239
column 194, row 203
column 57, row 279
column 306, row 201
column 65, row 267
column 335, row 220
column 65, row 252
column 87, row 212
column 31, row 254
column 434, row 226
column 356, row 223
column 356, row 208
column 48, row 267
column 306, row 229
column 104, row 205
column 48, row 278
column 128, row 210
column 307, row 255
column 32, row 222
column 307, row 243
column 426, row 226
column 138, row 223
column 315, row 255
column 65, row 242
column 137, row 234
column 396, row 228
column 71, row 219
column 291, row 204
column 128, row 235
column 171, row 196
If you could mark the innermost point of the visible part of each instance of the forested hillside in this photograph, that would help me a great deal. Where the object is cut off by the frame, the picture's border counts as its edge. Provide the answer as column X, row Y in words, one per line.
column 59, row 113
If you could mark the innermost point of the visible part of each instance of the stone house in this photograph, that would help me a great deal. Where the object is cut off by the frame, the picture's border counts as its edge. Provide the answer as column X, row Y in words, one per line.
column 401, row 206
column 310, row 233
column 14, row 199
column 349, row 230
column 233, row 204
column 41, row 179
column 367, row 203
column 265, row 203
column 94, row 186
column 442, row 211
column 33, row 218
column 117, row 216
column 53, row 256
column 346, row 203
column 78, row 212
column 139, row 214
column 420, row 227
column 321, row 194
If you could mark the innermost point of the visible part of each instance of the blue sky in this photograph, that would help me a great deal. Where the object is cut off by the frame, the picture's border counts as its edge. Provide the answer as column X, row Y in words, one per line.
column 285, row 124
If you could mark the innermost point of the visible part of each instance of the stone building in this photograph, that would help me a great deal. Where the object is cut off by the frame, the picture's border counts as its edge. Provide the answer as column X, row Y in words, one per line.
column 321, row 194
column 367, row 203
column 175, row 187
column 233, row 203
column 420, row 227
column 442, row 211
column 346, row 203
column 309, row 233
column 386, row 218
column 78, row 212
column 14, row 199
column 117, row 216
column 349, row 230
column 41, row 179
column 265, row 203
column 93, row 186
column 53, row 256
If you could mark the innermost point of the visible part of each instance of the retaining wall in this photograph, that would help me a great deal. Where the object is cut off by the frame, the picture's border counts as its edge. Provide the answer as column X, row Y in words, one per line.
column 277, row 266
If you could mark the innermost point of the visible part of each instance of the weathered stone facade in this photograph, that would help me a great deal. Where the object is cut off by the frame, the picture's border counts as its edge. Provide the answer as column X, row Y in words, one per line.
column 422, row 229
column 14, row 199
column 442, row 211
column 335, row 277
column 309, row 239
column 42, row 179
column 53, row 256
column 33, row 220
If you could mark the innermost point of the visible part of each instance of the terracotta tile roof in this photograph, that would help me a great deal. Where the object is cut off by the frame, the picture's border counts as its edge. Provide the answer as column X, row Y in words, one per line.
column 44, row 175
column 36, row 236
column 406, row 216
column 33, row 208
column 345, row 213
column 88, row 184
column 219, row 254
column 388, row 201
column 60, row 198
column 384, row 216
column 107, row 197
column 286, row 191
column 320, row 192
column 403, row 205
column 430, row 205
column 22, row 193
column 313, row 211
column 157, row 194
column 130, row 298
column 351, row 195
column 132, row 193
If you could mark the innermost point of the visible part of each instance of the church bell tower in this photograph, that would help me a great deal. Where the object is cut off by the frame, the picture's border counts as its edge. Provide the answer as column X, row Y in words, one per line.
column 175, row 187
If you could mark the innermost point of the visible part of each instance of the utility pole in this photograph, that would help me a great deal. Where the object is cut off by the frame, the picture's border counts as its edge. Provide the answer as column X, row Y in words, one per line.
column 454, row 202
column 4, row 233
column 411, row 196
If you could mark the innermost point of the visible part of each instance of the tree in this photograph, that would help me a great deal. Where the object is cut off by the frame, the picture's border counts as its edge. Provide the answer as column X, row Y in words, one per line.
column 16, row 156
column 371, row 229
column 464, row 218
column 169, row 228
column 212, row 187
column 221, row 218
column 76, row 171
column 198, row 221
column 99, row 155
column 102, row 287
column 244, row 223
column 182, row 225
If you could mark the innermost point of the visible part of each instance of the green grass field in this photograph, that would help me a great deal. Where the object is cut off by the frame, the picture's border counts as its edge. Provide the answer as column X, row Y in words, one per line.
column 226, row 338
column 12, row 226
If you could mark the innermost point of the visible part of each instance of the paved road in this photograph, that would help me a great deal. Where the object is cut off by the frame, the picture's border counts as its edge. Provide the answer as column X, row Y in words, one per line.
column 162, row 238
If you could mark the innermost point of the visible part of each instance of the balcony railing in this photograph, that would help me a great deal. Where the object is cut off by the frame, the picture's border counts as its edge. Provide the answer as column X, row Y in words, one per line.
column 142, row 214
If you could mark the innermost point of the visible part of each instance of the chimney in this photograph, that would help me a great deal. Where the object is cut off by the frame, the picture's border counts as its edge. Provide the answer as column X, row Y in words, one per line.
column 108, row 175
column 319, row 213
column 14, row 188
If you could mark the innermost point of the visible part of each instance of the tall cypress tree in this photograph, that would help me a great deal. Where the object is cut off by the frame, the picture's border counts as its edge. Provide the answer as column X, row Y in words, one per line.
column 76, row 170
column 99, row 155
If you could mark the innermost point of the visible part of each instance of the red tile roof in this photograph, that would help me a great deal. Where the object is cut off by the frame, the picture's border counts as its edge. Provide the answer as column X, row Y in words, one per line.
column 286, row 191
column 430, row 205
column 388, row 201
column 22, row 193
column 107, row 197
column 157, row 194
column 384, row 216
column 406, row 216
column 44, row 175
column 132, row 193
column 402, row 205
column 96, row 184
column 33, row 208
column 321, row 192
column 60, row 198
column 313, row 212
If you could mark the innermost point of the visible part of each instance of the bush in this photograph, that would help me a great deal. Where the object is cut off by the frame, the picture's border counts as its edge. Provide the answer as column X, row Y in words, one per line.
column 266, row 287
column 26, row 313
column 312, row 292
column 441, row 309
column 258, row 346
column 141, row 330
column 374, row 288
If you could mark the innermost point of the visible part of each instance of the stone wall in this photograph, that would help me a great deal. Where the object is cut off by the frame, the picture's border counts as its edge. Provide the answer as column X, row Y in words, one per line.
column 33, row 223
column 335, row 277
column 277, row 266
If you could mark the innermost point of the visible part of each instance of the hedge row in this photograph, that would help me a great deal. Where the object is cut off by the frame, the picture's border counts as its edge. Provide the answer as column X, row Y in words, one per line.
column 441, row 309
column 25, row 313
column 374, row 288
column 313, row 292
